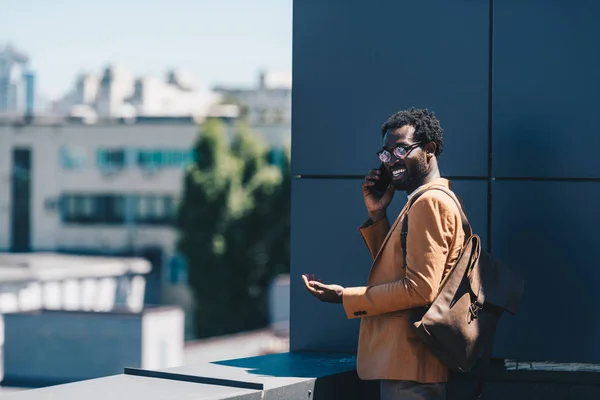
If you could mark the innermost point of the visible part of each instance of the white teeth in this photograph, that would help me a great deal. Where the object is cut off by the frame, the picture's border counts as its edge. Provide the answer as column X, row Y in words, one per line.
column 398, row 171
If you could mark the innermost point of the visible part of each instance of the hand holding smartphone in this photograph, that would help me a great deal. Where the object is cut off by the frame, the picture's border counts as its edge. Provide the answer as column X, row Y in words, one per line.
column 377, row 192
column 384, row 179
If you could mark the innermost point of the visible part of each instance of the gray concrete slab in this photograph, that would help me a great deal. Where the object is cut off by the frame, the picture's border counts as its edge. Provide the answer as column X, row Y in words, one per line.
column 125, row 387
column 316, row 376
column 269, row 371
column 245, row 344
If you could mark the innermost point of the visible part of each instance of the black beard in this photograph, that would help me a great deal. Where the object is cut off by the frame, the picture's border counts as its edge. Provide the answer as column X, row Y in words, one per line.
column 413, row 179
column 400, row 185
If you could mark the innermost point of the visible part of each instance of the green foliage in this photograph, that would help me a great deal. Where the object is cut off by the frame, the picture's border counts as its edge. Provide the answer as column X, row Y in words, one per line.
column 234, row 225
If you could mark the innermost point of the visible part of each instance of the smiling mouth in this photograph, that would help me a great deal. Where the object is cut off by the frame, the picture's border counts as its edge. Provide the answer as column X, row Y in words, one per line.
column 398, row 172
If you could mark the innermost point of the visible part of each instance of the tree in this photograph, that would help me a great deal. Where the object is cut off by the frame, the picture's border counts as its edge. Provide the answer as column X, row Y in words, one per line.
column 234, row 222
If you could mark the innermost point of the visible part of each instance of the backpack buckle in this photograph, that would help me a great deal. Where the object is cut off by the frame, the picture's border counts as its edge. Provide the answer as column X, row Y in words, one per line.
column 474, row 311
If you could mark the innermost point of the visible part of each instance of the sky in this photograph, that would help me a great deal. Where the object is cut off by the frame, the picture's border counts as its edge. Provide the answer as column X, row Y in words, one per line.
column 218, row 41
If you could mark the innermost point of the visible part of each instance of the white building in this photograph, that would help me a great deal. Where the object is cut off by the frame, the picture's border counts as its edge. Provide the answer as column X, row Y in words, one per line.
column 116, row 93
column 53, row 281
column 59, row 282
column 108, row 188
column 268, row 104
column 17, row 82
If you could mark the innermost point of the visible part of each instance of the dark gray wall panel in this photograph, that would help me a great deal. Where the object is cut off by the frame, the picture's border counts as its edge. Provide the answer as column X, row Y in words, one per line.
column 546, row 84
column 325, row 241
column 355, row 63
column 326, row 214
column 548, row 231
column 474, row 197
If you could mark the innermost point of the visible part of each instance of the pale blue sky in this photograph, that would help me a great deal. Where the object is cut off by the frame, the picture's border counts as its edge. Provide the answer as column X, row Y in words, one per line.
column 219, row 41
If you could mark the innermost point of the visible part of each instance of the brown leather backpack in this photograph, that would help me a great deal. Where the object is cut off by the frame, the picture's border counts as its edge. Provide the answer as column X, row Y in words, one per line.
column 463, row 318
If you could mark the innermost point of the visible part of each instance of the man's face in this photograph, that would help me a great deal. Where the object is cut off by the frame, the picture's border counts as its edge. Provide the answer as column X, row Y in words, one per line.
column 409, row 171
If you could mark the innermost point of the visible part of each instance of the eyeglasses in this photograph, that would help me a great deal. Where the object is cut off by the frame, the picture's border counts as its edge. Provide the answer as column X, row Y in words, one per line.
column 400, row 152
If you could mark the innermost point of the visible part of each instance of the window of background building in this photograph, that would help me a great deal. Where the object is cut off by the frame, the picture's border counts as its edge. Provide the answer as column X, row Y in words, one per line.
column 151, row 208
column 118, row 207
column 164, row 158
column 111, row 158
column 277, row 157
column 78, row 201
column 177, row 158
column 169, row 207
column 88, row 205
column 81, row 209
column 160, row 208
column 130, row 208
column 143, row 159
column 178, row 269
column 141, row 209
column 73, row 157
column 113, row 209
column 70, row 205
column 157, row 158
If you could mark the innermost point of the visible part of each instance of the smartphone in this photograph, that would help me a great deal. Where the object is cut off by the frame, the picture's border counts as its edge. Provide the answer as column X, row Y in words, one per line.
column 384, row 179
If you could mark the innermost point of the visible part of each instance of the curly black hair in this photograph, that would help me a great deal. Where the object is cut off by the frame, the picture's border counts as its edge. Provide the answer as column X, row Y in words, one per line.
column 427, row 126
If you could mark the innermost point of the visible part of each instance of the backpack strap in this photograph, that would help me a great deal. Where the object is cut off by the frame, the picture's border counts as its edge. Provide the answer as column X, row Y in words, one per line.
column 485, row 365
column 464, row 220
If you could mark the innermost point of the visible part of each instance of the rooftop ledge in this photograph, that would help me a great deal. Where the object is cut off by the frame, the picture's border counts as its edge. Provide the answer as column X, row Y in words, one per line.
column 274, row 376
column 314, row 375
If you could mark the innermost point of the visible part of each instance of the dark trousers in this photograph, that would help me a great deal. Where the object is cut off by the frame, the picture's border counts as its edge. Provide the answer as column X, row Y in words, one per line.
column 409, row 390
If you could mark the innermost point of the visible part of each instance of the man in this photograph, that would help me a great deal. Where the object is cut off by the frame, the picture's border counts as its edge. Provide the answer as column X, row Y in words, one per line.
column 388, row 350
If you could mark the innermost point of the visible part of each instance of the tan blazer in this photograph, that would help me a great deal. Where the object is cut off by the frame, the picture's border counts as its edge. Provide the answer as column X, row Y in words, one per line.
column 387, row 348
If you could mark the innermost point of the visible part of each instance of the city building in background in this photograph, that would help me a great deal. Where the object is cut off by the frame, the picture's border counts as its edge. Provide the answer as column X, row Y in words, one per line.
column 52, row 281
column 95, row 189
column 105, row 189
column 57, row 282
column 98, row 344
column 17, row 82
column 117, row 93
column 266, row 107
column 99, row 171
column 269, row 103
column 110, row 188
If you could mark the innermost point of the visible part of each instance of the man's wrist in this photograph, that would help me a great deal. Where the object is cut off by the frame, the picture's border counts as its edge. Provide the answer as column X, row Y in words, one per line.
column 341, row 297
column 374, row 217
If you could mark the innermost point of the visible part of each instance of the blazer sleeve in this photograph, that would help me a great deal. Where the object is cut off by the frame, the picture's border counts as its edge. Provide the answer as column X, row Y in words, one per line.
column 374, row 233
column 433, row 225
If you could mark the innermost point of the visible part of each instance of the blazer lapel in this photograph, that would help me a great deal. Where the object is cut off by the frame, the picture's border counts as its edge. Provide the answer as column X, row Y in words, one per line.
column 390, row 232
column 387, row 237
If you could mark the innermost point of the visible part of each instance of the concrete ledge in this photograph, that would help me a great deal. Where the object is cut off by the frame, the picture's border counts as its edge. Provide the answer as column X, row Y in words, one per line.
column 301, row 375
column 317, row 376
column 194, row 379
column 320, row 376
column 127, row 387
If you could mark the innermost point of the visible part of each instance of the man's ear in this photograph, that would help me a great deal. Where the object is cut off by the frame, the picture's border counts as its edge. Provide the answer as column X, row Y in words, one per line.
column 430, row 148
